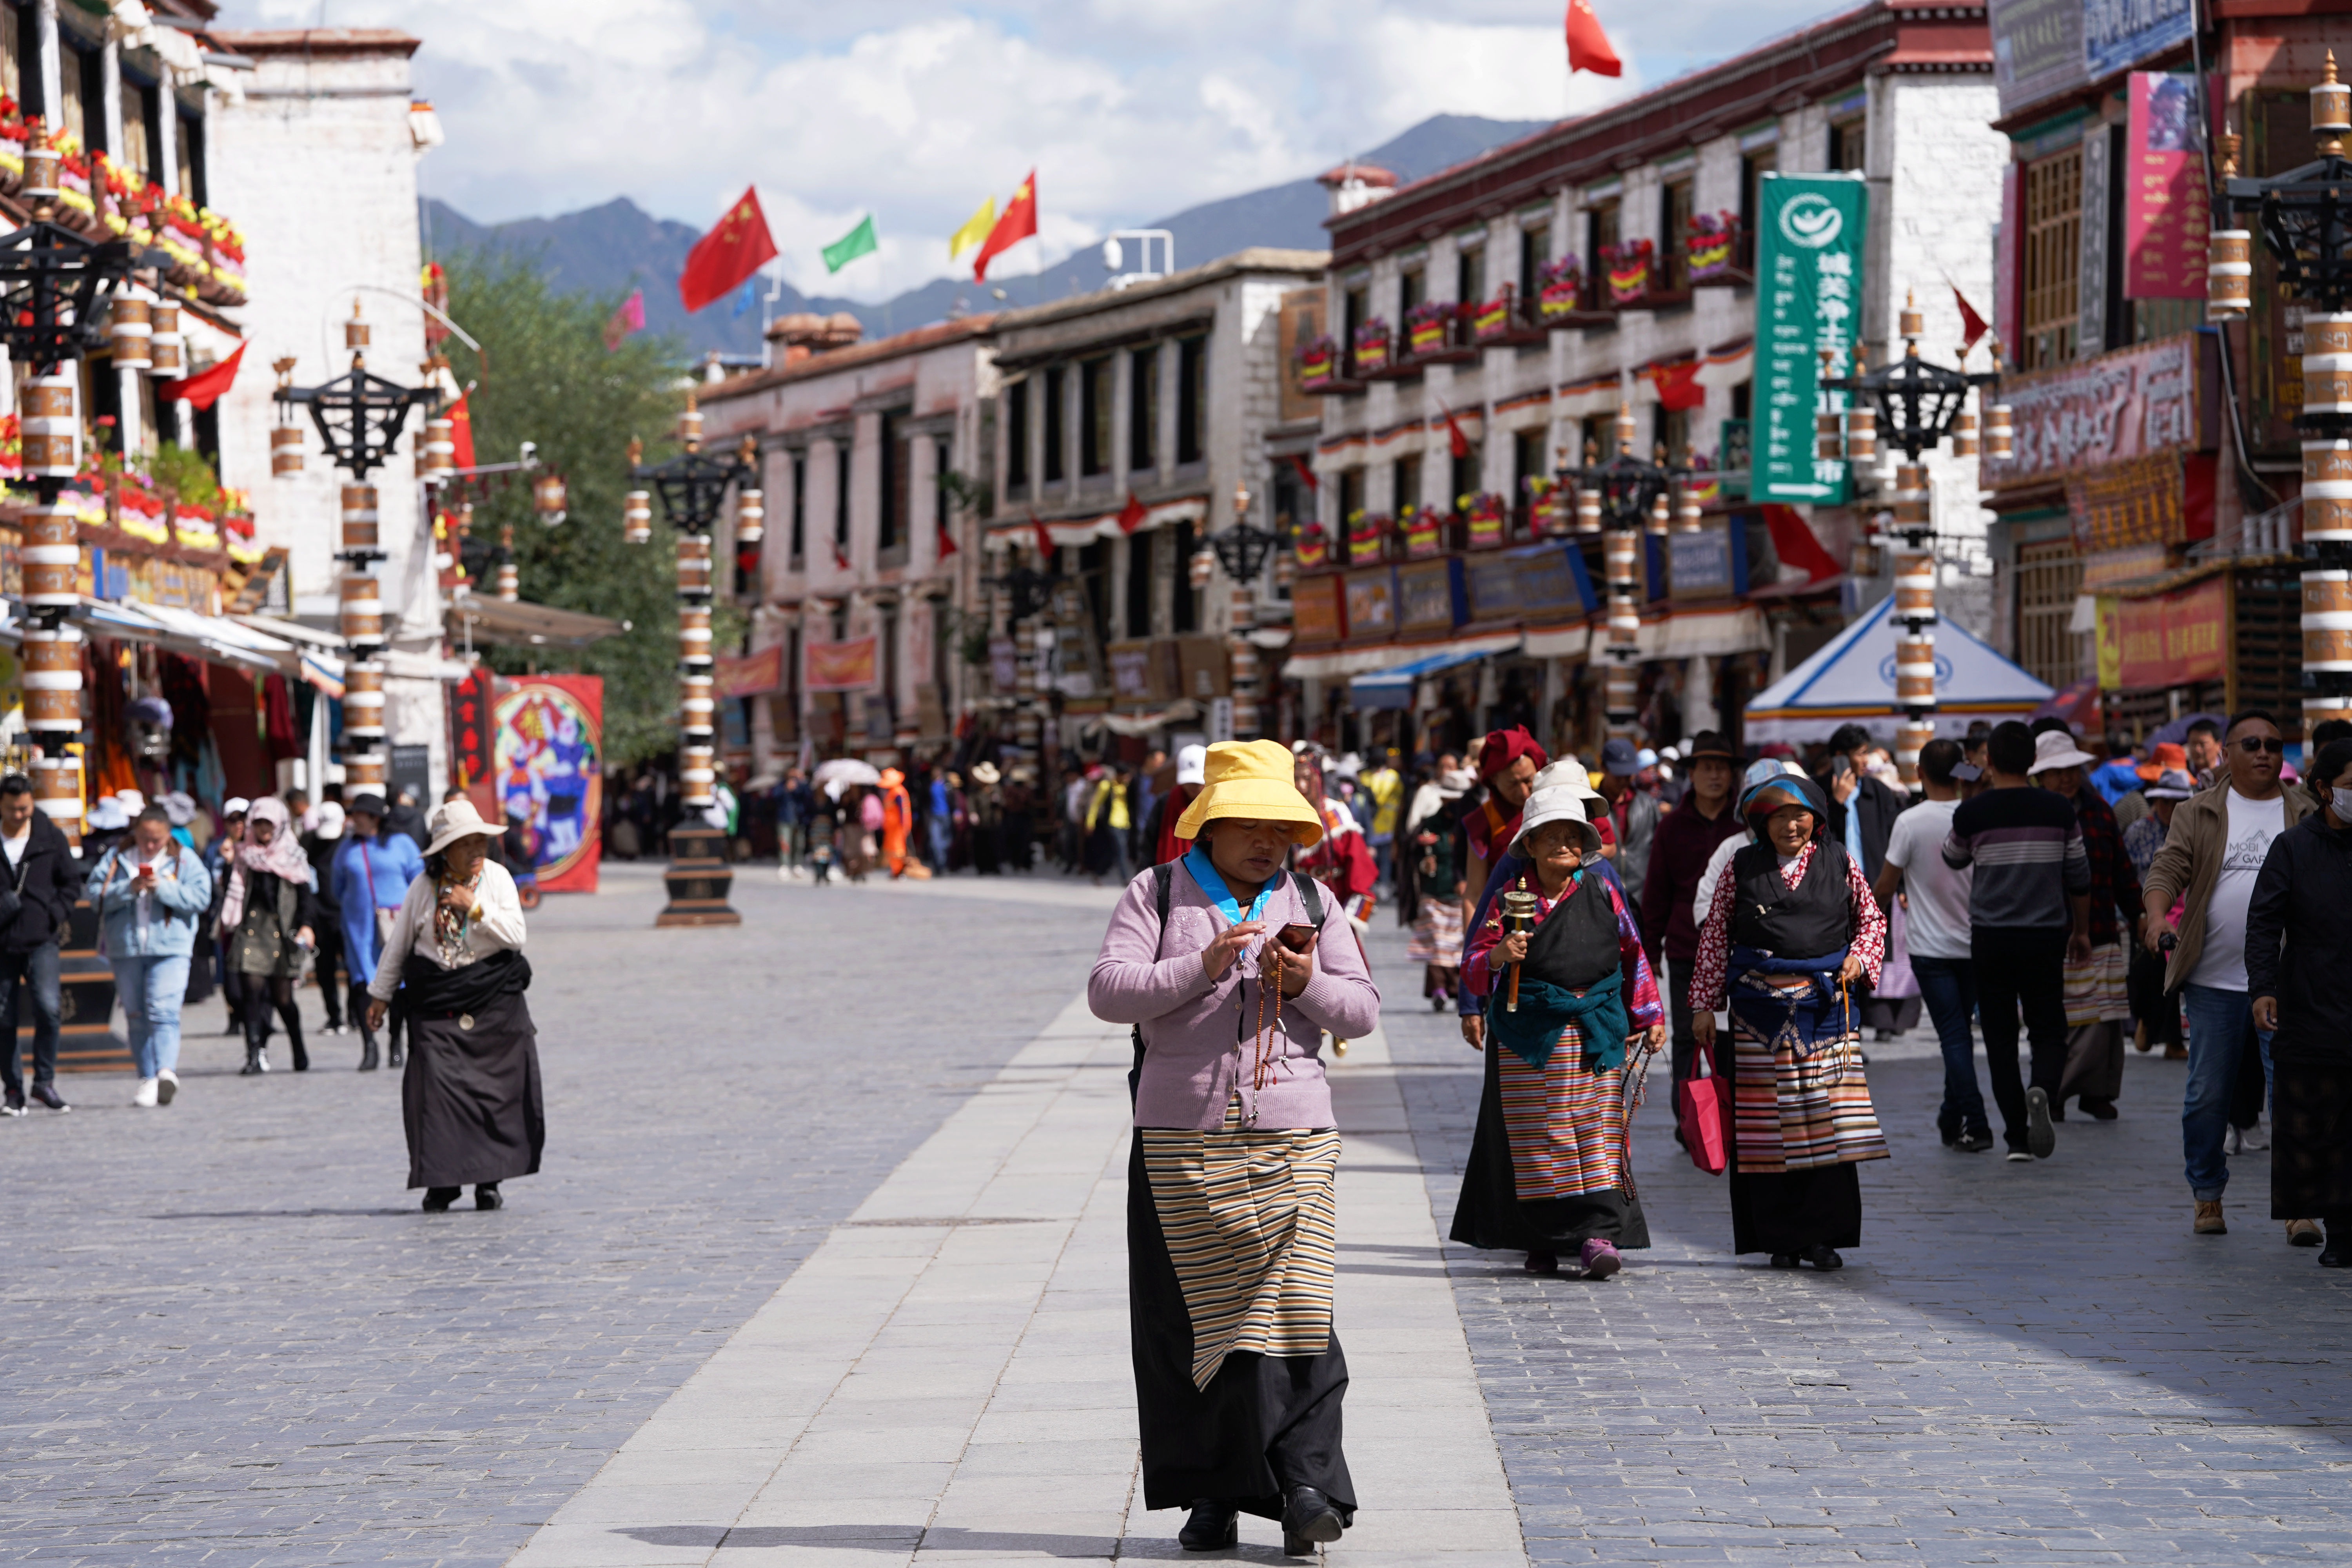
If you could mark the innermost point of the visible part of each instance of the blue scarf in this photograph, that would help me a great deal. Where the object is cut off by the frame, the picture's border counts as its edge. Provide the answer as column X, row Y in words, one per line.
column 1818, row 1012
column 1196, row 861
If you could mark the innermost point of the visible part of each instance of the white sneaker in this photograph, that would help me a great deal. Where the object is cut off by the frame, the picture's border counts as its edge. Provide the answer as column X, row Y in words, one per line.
column 167, row 1084
column 2255, row 1140
column 262, row 1060
column 147, row 1093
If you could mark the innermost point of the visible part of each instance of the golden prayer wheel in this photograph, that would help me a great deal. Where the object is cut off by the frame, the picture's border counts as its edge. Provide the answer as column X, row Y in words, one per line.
column 165, row 344
column 437, row 453
column 363, row 700
column 2328, row 490
column 750, row 517
column 1588, row 512
column 360, row 519
column 1909, row 739
column 2000, row 434
column 52, row 680
column 2327, row 620
column 129, row 332
column 1912, row 509
column 50, row 429
column 362, row 609
column 2326, row 364
column 2229, row 273
column 694, row 634
column 637, row 517
column 51, row 557
column 698, row 707
column 56, row 790
column 1861, row 435
column 285, row 450
column 1964, row 435
column 694, row 564
column 1828, row 436
column 42, row 163
column 1518, row 916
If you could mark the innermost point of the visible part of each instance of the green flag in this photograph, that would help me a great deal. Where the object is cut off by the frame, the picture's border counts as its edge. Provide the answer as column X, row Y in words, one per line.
column 857, row 242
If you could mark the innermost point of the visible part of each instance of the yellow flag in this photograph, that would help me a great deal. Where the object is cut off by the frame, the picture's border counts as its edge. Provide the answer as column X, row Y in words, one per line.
column 975, row 228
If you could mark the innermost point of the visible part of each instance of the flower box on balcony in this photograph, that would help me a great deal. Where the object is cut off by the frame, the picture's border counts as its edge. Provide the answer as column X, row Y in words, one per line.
column 1565, row 299
column 1423, row 532
column 1428, row 329
column 1319, row 364
column 1486, row 519
column 1493, row 320
column 1552, row 506
column 1314, row 548
column 1371, row 347
column 1715, row 249
column 1368, row 535
column 1629, row 268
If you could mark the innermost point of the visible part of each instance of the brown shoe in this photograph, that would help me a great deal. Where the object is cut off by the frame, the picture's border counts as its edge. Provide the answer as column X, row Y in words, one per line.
column 2209, row 1218
column 2304, row 1233
column 2176, row 1053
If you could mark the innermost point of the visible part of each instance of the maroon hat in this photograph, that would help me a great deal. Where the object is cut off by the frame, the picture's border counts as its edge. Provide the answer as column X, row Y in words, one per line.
column 1505, row 747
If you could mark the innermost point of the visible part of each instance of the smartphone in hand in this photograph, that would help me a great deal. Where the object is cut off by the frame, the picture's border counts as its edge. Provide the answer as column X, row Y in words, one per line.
column 1297, row 936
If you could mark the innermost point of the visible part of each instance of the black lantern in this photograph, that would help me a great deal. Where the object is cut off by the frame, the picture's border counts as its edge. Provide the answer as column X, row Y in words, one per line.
column 1917, row 404
column 359, row 415
column 55, row 287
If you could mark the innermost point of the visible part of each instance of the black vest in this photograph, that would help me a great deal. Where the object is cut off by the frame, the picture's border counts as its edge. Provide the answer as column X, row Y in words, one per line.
column 1811, row 919
column 1576, row 944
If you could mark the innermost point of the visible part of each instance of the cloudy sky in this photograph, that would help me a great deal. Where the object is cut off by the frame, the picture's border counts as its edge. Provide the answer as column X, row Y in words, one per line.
column 914, row 110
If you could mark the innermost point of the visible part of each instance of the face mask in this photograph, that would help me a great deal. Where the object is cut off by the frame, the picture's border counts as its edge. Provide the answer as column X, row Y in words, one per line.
column 2342, row 799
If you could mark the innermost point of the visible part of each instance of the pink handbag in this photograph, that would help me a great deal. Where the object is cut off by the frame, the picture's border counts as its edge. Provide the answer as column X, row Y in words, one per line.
column 1703, row 1111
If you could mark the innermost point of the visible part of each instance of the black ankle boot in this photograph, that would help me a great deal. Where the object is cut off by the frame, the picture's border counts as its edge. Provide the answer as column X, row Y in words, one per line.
column 394, row 1057
column 294, row 1042
column 1214, row 1526
column 486, row 1196
column 252, row 1062
column 367, row 1057
column 438, row 1199
column 1307, row 1518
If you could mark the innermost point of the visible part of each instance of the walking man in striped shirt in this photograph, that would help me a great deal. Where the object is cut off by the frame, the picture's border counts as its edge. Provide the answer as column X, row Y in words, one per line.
column 2029, row 916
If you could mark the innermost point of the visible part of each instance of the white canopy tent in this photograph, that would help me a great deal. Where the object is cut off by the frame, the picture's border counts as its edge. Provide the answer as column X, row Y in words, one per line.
column 1852, row 681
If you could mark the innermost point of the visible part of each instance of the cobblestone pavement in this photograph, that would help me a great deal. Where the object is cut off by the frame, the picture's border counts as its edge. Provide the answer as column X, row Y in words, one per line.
column 234, row 1340
column 2021, row 1363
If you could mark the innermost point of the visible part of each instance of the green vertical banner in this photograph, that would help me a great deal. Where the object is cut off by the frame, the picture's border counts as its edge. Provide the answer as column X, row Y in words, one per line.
column 1809, row 234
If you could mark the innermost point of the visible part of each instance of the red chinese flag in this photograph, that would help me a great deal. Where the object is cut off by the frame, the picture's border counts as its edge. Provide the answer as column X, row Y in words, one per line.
column 203, row 389
column 1795, row 541
column 1045, row 539
column 1588, row 46
column 1455, row 441
column 1678, row 387
column 1972, row 326
column 1306, row 474
column 720, row 260
column 461, row 433
column 1018, row 222
column 947, row 543
column 1130, row 516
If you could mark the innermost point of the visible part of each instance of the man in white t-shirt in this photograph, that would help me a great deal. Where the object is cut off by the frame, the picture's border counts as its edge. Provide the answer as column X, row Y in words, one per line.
column 2210, row 857
column 1935, row 928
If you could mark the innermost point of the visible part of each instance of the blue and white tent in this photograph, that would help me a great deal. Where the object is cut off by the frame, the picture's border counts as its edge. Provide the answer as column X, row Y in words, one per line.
column 1852, row 681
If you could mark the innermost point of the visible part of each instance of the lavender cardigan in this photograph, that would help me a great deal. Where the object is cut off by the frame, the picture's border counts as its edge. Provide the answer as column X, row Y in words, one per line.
column 1199, row 1037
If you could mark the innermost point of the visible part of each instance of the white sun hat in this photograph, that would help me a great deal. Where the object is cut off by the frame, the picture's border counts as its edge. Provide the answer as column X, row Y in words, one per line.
column 1560, row 803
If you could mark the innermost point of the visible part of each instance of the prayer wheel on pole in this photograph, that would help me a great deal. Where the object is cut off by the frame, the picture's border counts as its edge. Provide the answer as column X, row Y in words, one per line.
column 363, row 700
column 360, row 522
column 637, row 517
column 56, row 791
column 693, row 635
column 1622, row 685
column 51, row 557
column 52, row 680
column 50, row 428
column 129, row 334
column 698, row 707
column 285, row 450
column 436, row 454
column 361, row 621
column 1914, row 617
column 750, row 517
column 2327, row 522
column 694, row 565
column 166, row 342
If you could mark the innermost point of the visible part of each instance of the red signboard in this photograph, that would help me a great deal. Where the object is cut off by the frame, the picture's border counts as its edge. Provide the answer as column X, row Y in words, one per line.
column 2100, row 411
column 753, row 675
column 2164, row 214
column 1316, row 611
column 840, row 666
column 470, row 730
column 548, row 770
column 2174, row 639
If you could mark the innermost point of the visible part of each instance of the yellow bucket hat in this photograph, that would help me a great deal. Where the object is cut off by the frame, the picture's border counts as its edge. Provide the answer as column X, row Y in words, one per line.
column 1251, row 778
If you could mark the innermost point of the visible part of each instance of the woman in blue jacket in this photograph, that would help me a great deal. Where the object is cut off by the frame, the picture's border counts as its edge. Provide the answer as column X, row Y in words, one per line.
column 371, row 872
column 152, row 894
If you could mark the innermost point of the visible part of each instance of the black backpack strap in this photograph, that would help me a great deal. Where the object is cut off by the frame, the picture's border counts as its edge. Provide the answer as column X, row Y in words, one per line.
column 1163, row 877
column 1310, row 893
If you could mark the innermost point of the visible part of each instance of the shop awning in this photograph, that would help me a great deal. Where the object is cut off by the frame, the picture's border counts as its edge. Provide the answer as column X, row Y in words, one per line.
column 1392, row 687
column 1684, row 631
column 322, row 654
column 476, row 619
column 212, row 638
column 1853, row 678
column 1362, row 661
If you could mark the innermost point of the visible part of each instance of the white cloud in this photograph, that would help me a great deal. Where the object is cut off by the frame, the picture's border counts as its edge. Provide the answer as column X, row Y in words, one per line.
column 1129, row 110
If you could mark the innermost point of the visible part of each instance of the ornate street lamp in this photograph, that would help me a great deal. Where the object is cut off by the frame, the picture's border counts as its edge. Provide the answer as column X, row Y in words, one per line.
column 1242, row 550
column 55, row 293
column 1917, row 405
column 2304, row 216
column 359, row 416
column 693, row 489
column 1631, row 496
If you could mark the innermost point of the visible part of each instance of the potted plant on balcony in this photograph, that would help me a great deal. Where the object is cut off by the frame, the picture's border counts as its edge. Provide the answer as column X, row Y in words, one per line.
column 1423, row 532
column 1484, row 516
column 1314, row 548
column 1319, row 364
column 1494, row 317
column 16, row 132
column 224, row 257
column 1551, row 507
column 1368, row 536
column 1714, row 237
column 1371, row 346
column 1564, row 288
column 1628, row 267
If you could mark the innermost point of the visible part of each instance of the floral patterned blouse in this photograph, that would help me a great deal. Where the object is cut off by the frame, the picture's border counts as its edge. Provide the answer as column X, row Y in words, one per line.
column 1707, row 975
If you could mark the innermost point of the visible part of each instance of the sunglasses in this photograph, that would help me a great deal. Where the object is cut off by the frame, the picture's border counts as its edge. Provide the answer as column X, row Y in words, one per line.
column 2270, row 743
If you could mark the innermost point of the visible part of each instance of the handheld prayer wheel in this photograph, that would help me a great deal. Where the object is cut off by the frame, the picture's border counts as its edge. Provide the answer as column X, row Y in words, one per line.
column 165, row 343
column 363, row 700
column 52, row 680
column 51, row 557
column 1519, row 917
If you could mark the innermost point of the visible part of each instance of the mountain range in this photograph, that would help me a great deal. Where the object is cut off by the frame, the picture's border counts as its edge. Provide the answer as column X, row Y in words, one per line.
column 610, row 250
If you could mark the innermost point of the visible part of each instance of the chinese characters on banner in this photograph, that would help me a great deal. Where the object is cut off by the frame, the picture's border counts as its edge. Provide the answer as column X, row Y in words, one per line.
column 469, row 732
column 2173, row 639
column 1808, row 299
column 2044, row 48
column 2164, row 193
column 840, row 666
column 2128, row 402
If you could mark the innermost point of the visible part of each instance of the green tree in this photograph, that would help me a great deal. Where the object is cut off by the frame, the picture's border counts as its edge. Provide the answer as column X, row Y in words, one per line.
column 546, row 377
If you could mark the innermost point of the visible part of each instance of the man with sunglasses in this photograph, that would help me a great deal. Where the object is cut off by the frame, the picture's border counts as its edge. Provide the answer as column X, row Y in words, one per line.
column 2211, row 855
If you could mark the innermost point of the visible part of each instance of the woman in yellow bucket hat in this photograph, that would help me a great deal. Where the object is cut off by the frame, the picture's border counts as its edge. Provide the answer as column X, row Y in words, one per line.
column 1232, row 968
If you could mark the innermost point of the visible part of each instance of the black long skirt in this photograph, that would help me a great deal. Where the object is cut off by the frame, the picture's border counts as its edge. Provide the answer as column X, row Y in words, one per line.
column 2311, row 1145
column 470, row 1097
column 1789, row 1211
column 1264, row 1424
column 1490, row 1214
